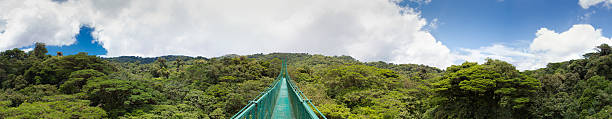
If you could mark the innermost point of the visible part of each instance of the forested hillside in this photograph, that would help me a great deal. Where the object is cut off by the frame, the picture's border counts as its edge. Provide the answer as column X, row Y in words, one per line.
column 36, row 85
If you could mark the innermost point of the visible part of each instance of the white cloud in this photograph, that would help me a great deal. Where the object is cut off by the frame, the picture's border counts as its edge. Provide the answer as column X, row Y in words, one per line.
column 548, row 46
column 585, row 4
column 369, row 30
column 570, row 44
column 31, row 21
column 496, row 51
column 27, row 49
column 420, row 1
column 433, row 24
column 586, row 17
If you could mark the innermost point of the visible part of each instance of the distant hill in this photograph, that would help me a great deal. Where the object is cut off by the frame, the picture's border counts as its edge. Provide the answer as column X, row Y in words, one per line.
column 147, row 60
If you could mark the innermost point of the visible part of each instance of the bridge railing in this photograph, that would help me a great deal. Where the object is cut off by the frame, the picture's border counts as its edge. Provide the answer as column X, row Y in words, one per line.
column 263, row 105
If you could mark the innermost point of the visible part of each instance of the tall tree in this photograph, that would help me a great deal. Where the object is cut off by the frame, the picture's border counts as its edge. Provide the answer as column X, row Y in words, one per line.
column 162, row 63
column 40, row 50
column 57, row 69
column 494, row 89
column 179, row 62
column 604, row 49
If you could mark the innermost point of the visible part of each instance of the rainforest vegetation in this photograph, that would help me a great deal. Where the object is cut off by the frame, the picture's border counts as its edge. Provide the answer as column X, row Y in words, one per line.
column 37, row 85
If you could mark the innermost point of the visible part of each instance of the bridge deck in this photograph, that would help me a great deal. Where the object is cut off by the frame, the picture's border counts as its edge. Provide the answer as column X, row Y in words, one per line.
column 282, row 109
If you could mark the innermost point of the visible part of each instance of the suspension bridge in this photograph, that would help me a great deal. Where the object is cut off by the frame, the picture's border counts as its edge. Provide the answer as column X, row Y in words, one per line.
column 281, row 100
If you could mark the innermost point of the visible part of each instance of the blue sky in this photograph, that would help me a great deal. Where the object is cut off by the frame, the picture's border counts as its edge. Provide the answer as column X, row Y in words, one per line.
column 84, row 43
column 440, row 33
column 478, row 23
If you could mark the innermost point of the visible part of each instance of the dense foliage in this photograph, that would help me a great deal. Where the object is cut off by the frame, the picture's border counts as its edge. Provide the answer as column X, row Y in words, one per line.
column 35, row 85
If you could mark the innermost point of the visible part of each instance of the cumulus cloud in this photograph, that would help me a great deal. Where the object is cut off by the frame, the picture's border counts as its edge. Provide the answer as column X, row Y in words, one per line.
column 370, row 30
column 548, row 46
column 585, row 4
column 570, row 44
column 25, row 22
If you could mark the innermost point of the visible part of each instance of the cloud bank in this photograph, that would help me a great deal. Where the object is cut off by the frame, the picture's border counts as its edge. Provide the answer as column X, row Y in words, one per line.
column 369, row 30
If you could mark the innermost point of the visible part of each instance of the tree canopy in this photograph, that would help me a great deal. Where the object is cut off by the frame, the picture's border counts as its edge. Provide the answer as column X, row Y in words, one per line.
column 36, row 85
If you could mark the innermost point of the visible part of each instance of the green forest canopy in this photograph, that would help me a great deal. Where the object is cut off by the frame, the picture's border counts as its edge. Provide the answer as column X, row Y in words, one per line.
column 35, row 85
